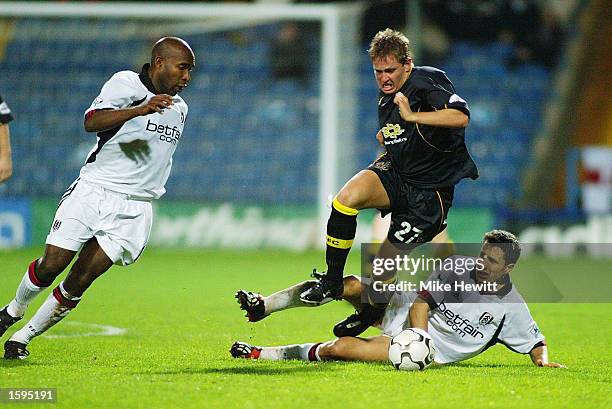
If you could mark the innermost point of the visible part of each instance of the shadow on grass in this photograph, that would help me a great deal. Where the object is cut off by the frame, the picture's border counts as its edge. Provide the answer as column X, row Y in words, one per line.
column 241, row 370
column 16, row 363
column 469, row 365
column 275, row 370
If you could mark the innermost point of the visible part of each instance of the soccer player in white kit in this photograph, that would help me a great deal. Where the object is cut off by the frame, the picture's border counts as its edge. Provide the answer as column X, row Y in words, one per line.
column 462, row 324
column 106, row 213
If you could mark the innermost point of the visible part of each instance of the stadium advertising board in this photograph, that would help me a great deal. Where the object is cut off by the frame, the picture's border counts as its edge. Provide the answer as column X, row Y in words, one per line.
column 296, row 228
column 15, row 217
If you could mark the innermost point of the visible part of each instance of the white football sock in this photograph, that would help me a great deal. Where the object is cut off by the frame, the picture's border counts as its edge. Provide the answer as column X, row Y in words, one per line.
column 287, row 298
column 304, row 352
column 26, row 292
column 57, row 305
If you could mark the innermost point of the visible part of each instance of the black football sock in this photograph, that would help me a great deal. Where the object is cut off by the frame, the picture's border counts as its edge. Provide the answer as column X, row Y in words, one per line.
column 341, row 228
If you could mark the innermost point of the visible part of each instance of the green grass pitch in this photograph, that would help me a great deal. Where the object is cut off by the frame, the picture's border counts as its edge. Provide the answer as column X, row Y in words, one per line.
column 181, row 318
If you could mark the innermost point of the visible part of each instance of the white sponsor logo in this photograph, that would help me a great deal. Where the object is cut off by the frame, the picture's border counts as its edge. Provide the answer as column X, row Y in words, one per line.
column 4, row 109
column 595, row 237
column 455, row 98
column 12, row 230
column 223, row 226
column 394, row 141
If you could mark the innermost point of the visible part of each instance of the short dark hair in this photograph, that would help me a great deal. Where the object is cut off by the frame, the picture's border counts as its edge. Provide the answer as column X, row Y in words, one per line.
column 389, row 42
column 169, row 45
column 511, row 247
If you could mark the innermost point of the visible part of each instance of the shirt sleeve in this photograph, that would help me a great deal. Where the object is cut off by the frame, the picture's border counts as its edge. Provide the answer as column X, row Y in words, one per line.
column 441, row 95
column 520, row 332
column 6, row 115
column 118, row 92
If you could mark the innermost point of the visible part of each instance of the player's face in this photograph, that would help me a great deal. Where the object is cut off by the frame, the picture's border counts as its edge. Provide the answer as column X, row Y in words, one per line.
column 175, row 73
column 494, row 261
column 390, row 74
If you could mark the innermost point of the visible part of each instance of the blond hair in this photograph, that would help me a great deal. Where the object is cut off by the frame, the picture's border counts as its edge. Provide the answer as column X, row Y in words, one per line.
column 389, row 42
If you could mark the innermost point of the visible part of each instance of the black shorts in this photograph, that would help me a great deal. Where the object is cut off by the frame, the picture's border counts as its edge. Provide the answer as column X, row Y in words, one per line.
column 417, row 215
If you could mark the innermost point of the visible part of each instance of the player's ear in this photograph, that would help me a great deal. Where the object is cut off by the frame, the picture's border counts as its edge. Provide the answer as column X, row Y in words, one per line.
column 509, row 267
column 159, row 61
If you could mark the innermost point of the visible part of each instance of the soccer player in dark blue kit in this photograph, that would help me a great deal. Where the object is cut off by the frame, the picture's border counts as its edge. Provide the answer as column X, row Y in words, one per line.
column 422, row 127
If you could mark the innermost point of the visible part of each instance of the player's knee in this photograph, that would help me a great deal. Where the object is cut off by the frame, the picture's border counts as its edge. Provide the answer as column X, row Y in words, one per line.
column 325, row 350
column 50, row 267
column 350, row 197
column 333, row 349
column 352, row 287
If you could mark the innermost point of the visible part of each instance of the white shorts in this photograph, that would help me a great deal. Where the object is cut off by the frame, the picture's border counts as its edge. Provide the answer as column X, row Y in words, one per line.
column 397, row 313
column 120, row 224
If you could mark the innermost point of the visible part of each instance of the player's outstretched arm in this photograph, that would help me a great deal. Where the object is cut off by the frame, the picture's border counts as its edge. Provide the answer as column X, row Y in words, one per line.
column 419, row 314
column 111, row 118
column 6, row 163
column 539, row 357
column 445, row 118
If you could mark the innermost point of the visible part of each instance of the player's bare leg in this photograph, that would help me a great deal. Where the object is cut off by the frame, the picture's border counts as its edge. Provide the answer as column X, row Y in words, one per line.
column 40, row 274
column 443, row 245
column 380, row 227
column 53, row 262
column 341, row 349
column 90, row 264
column 258, row 306
column 362, row 191
column 356, row 349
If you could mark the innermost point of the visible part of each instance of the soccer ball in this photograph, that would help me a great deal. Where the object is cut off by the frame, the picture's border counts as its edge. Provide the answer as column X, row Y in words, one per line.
column 411, row 350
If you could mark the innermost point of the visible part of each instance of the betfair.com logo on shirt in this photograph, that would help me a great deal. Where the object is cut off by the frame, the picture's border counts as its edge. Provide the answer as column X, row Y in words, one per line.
column 166, row 133
column 460, row 324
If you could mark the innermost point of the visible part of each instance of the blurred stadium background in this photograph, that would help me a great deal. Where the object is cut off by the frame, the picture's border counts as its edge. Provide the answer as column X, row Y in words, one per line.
column 283, row 110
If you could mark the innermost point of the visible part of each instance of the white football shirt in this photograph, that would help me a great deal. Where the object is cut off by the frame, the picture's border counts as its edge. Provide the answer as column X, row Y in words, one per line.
column 463, row 322
column 136, row 157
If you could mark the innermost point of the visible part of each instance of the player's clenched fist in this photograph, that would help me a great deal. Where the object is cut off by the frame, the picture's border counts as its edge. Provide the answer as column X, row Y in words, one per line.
column 404, row 107
column 156, row 104
column 550, row 364
column 380, row 138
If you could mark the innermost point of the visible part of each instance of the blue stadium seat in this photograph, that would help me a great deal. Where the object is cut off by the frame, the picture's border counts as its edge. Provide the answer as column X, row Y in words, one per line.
column 249, row 137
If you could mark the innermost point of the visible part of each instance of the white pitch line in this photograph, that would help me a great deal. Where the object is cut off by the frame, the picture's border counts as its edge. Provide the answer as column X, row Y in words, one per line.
column 103, row 330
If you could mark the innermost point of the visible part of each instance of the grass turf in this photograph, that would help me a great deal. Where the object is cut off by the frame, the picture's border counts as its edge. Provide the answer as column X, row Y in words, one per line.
column 181, row 318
